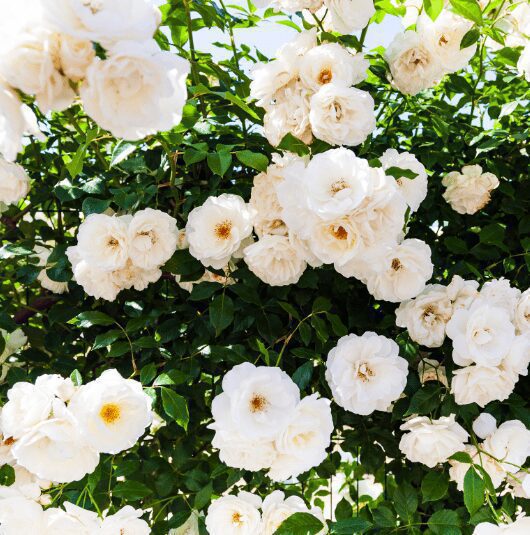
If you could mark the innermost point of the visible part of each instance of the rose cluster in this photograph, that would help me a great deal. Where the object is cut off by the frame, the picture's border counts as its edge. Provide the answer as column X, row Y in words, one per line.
column 307, row 91
column 21, row 515
column 241, row 514
column 419, row 59
column 261, row 423
column 128, row 85
column 56, row 430
column 14, row 183
column 114, row 253
column 489, row 329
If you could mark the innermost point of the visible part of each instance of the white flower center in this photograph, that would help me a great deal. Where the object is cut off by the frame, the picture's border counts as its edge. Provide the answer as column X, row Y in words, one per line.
column 237, row 518
column 364, row 372
column 482, row 336
column 325, row 76
column 110, row 413
column 396, row 264
column 94, row 5
column 338, row 232
column 258, row 403
column 338, row 185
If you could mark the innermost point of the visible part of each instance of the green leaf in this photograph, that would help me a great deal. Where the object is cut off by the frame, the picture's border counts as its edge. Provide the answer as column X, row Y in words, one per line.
column 91, row 205
column 7, row 475
column 433, row 8
column 462, row 457
column 405, row 501
column 473, row 490
column 221, row 312
column 121, row 152
column 148, row 373
column 106, row 339
column 176, row 407
column 131, row 490
column 302, row 376
column 350, row 526
column 445, row 522
column 470, row 38
column 398, row 172
column 203, row 496
column 219, row 162
column 300, row 524
column 425, row 400
column 90, row 318
column 255, row 160
column 76, row 378
column 434, row 486
column 469, row 9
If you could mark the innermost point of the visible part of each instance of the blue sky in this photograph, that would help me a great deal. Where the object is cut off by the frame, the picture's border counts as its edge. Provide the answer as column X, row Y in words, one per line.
column 271, row 35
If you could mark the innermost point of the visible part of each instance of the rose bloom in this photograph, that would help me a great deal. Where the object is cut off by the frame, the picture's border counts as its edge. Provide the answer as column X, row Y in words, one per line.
column 277, row 508
column 523, row 65
column 469, row 191
column 444, row 36
column 104, row 21
column 342, row 115
column 413, row 190
column 510, row 444
column 413, row 64
column 137, row 90
column 234, row 514
column 95, row 282
column 521, row 526
column 522, row 313
column 400, row 272
column 426, row 316
column 112, row 412
column 482, row 384
column 432, row 370
column 289, row 114
column 56, row 287
column 366, row 373
column 481, row 334
column 55, row 450
column 14, row 181
column 432, row 441
column 484, row 425
column 458, row 470
column 346, row 16
column 332, row 62
column 75, row 55
column 216, row 229
column 126, row 520
column 302, row 444
column 152, row 238
column 461, row 292
column 19, row 514
column 257, row 402
column 292, row 6
column 275, row 260
column 499, row 292
column 73, row 520
column 190, row 527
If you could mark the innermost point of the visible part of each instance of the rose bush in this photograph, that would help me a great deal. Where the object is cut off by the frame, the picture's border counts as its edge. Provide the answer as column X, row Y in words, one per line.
column 256, row 295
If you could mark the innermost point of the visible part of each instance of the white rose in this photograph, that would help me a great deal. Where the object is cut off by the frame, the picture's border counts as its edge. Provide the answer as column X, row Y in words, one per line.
column 302, row 444
column 55, row 450
column 289, row 114
column 103, row 241
column 238, row 452
column 112, row 412
column 523, row 64
column 27, row 406
column 13, row 342
column 277, row 508
column 190, row 527
column 127, row 520
column 256, row 401
column 57, row 386
column 461, row 292
column 413, row 190
column 413, row 64
column 152, row 238
column 216, row 229
column 347, row 16
column 444, row 36
column 518, row 356
column 510, row 444
column 19, row 514
column 482, row 334
column 432, row 370
column 400, row 272
column 426, row 316
column 14, row 122
column 73, row 521
column 104, row 21
column 484, row 425
column 366, row 373
column 14, row 181
column 521, row 526
column 332, row 62
column 522, row 313
column 458, row 470
column 95, row 282
column 337, row 182
column 132, row 276
column 75, row 56
column 432, row 441
column 234, row 514
column 56, row 287
column 32, row 64
column 498, row 292
column 275, row 261
column 342, row 115
column 292, row 6
column 137, row 90
column 519, row 484
column 482, row 384
column 469, row 191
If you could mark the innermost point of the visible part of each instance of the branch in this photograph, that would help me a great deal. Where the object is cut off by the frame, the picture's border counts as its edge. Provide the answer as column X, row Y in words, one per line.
column 39, row 305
